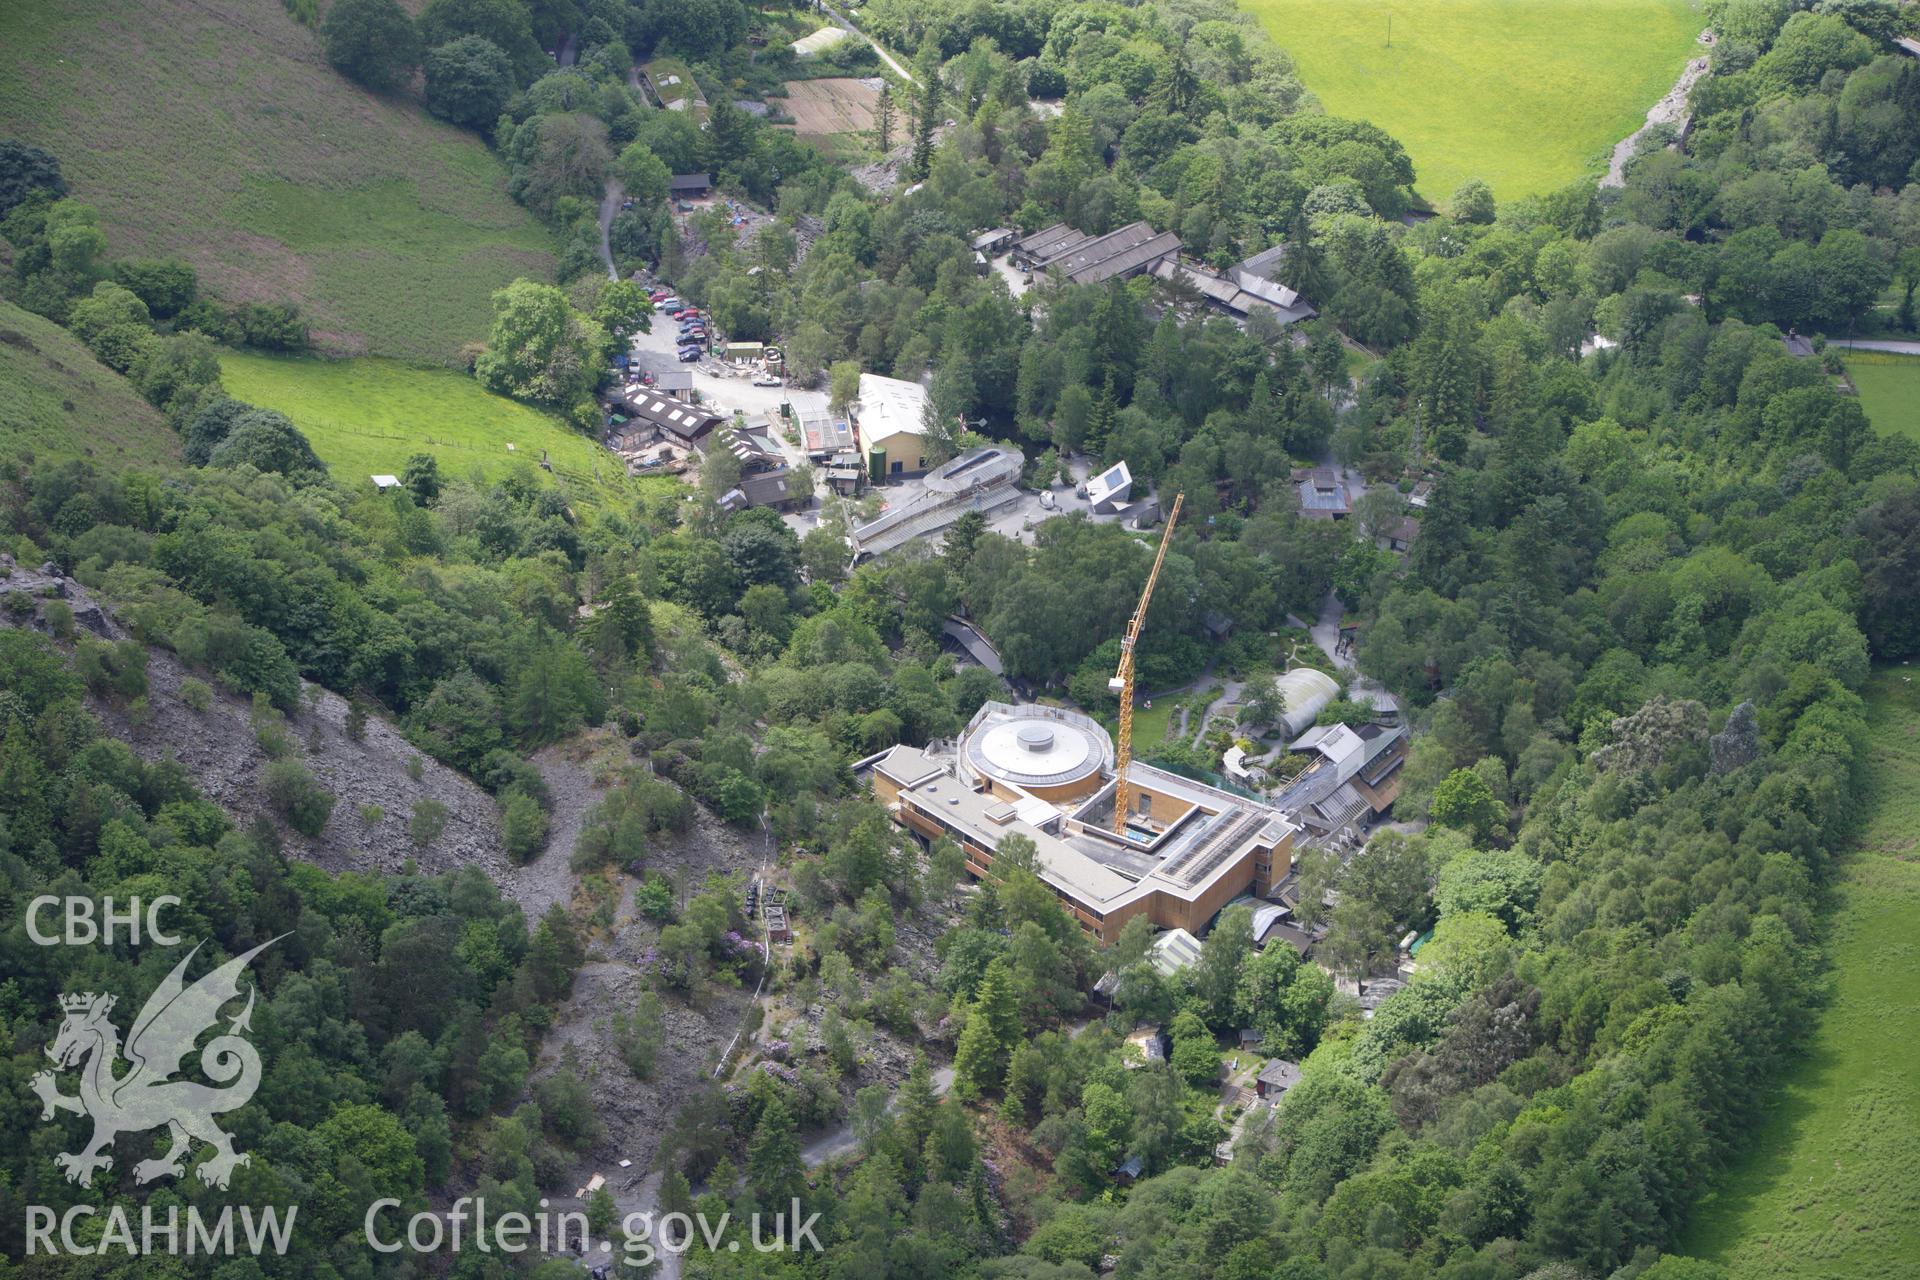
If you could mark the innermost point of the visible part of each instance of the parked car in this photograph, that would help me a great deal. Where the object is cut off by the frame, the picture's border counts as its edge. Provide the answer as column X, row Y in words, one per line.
column 689, row 356
column 766, row 380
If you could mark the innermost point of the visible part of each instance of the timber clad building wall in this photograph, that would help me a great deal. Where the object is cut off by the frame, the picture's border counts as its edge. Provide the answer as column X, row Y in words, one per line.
column 1190, row 848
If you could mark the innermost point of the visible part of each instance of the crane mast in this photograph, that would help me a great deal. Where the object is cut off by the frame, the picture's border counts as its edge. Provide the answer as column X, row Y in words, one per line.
column 1122, row 681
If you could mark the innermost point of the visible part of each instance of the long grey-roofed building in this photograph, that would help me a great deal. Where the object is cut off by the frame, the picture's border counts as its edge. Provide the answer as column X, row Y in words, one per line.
column 687, row 423
column 1239, row 293
column 1045, row 243
column 1079, row 258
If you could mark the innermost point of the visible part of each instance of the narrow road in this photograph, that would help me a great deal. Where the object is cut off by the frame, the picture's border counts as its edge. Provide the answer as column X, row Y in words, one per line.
column 1326, row 631
column 892, row 62
column 615, row 193
column 1893, row 345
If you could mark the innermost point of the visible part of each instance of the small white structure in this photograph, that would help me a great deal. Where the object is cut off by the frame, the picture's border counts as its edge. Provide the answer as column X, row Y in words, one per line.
column 1304, row 694
column 386, row 482
column 819, row 42
column 1234, row 765
column 1108, row 491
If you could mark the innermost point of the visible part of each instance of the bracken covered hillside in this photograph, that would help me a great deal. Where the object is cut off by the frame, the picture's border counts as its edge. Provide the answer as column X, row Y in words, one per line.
column 57, row 401
column 214, row 130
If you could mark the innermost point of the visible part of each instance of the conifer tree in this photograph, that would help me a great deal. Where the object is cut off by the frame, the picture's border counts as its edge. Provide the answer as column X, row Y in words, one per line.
column 993, row 1028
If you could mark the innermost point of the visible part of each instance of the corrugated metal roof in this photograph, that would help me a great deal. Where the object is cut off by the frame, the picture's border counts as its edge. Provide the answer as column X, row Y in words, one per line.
column 1049, row 239
column 1174, row 950
column 1126, row 261
column 1070, row 258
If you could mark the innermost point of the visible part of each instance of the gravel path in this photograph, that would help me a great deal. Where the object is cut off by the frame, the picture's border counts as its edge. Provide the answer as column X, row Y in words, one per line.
column 1669, row 110
column 1892, row 345
column 548, row 879
column 610, row 205
column 839, row 1140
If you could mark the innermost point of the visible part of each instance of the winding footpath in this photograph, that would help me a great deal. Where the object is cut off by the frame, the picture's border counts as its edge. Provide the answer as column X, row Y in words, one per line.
column 1669, row 110
column 615, row 193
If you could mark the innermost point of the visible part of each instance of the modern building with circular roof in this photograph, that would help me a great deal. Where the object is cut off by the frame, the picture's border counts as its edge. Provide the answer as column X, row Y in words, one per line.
column 1045, row 751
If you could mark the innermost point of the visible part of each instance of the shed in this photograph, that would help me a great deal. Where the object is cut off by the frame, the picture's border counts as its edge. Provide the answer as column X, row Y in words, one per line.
column 677, row 383
column 690, row 184
column 386, row 482
column 775, row 489
column 992, row 242
column 1399, row 536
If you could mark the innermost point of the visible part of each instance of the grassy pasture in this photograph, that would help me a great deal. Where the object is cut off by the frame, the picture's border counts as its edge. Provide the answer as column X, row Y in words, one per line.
column 57, row 401
column 1889, row 387
column 1827, row 1188
column 368, row 416
column 214, row 131
column 1525, row 94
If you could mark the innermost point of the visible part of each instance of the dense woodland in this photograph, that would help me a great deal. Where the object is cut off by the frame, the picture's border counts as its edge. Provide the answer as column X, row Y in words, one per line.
column 1650, row 582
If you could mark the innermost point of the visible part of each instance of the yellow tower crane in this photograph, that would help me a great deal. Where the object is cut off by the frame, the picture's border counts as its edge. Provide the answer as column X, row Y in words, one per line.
column 1122, row 681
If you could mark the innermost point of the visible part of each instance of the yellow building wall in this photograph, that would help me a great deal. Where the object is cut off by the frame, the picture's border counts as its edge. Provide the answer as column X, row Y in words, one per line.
column 903, row 447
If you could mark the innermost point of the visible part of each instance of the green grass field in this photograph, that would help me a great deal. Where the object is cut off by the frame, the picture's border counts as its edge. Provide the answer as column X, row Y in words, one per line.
column 1828, row 1187
column 57, row 401
column 213, row 130
column 1525, row 94
column 1889, row 388
column 368, row 416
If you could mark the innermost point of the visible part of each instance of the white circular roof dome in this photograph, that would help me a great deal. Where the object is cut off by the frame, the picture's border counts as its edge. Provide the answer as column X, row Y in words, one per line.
column 1032, row 750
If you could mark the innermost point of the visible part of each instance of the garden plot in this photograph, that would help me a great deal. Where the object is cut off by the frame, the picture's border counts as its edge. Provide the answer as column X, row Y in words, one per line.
column 823, row 108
